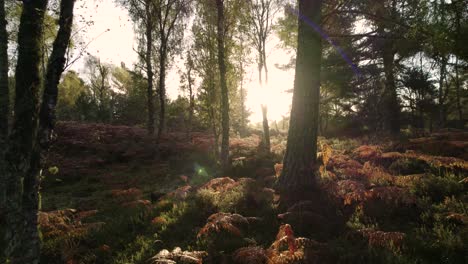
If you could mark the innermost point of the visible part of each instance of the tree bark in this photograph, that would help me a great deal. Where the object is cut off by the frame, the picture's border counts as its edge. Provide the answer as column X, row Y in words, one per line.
column 224, row 89
column 149, row 67
column 191, row 98
column 4, row 88
column 298, row 175
column 30, row 248
column 443, row 65
column 162, row 86
column 22, row 140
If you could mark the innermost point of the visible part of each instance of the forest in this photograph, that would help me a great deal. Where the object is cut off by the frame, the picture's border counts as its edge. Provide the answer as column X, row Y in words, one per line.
column 184, row 156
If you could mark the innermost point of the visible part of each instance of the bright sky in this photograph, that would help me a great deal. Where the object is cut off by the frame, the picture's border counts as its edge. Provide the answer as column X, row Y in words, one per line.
column 117, row 45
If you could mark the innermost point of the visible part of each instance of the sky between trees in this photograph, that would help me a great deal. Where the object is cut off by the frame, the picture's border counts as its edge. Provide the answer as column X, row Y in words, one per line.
column 118, row 44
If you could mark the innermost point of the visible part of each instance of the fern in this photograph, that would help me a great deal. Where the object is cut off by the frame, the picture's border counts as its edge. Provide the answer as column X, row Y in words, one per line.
column 218, row 222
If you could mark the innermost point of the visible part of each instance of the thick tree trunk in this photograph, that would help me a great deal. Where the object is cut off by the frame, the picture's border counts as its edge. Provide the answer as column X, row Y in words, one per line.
column 22, row 142
column 224, row 89
column 4, row 89
column 298, row 176
column 162, row 87
column 149, row 69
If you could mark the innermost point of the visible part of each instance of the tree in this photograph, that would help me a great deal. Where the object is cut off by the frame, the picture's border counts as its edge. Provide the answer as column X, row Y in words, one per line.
column 261, row 15
column 169, row 28
column 187, row 80
column 71, row 88
column 4, row 88
column 420, row 94
column 224, row 89
column 22, row 140
column 99, row 76
column 143, row 13
column 206, row 66
column 298, row 175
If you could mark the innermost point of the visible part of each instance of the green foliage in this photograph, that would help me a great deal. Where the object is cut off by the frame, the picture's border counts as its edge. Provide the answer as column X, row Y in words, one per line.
column 437, row 188
column 405, row 166
column 70, row 101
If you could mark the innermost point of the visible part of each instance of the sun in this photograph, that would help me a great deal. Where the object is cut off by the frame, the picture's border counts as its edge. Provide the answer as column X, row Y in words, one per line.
column 274, row 95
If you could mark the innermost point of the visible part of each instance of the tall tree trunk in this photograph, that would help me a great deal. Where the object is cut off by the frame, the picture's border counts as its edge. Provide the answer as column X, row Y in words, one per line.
column 22, row 139
column 4, row 89
column 149, row 67
column 162, row 86
column 30, row 248
column 457, row 84
column 224, row 89
column 458, row 43
column 266, row 127
column 243, row 120
column 298, row 176
column 191, row 101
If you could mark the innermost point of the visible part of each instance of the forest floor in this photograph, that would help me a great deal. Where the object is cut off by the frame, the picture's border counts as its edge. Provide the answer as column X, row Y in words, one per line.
column 111, row 194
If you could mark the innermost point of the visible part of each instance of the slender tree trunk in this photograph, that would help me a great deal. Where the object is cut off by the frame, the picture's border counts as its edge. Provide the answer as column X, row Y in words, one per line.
column 242, row 98
column 266, row 127
column 55, row 68
column 459, row 41
column 443, row 64
column 149, row 68
column 191, row 101
column 224, row 89
column 4, row 88
column 457, row 84
column 22, row 140
column 298, row 175
column 162, row 86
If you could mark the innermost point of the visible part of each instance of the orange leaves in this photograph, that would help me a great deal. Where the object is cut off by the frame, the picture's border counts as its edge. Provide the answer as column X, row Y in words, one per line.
column 326, row 154
column 219, row 184
column 278, row 169
column 158, row 221
column 219, row 222
column 368, row 152
column 285, row 235
column 127, row 195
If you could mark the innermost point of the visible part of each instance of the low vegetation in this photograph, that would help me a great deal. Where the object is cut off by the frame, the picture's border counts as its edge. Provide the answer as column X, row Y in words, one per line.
column 148, row 203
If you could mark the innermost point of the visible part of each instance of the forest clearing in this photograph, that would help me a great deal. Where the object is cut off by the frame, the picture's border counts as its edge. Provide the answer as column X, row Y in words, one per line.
column 233, row 131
